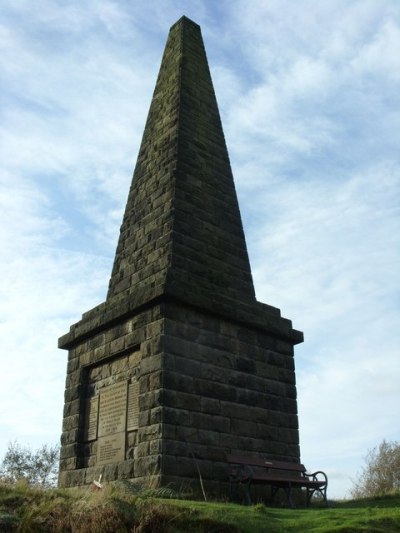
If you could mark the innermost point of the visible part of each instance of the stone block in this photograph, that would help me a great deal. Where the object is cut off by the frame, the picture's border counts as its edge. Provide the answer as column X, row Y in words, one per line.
column 243, row 427
column 156, row 415
column 215, row 390
column 87, row 358
column 97, row 341
column 142, row 449
column 169, row 464
column 215, row 373
column 119, row 365
column 248, row 397
column 186, row 467
column 235, row 410
column 176, row 447
column 69, row 437
column 70, row 422
column 92, row 474
column 72, row 393
column 153, row 346
column 134, row 339
column 117, row 345
column 169, row 431
column 149, row 400
column 72, row 365
column 74, row 478
column 148, row 466
column 176, row 416
column 71, row 408
column 221, row 424
column 150, row 364
column 144, row 418
column 235, row 379
column 186, row 434
column 286, row 376
column 68, row 464
column 250, row 444
column 155, row 447
column 200, row 420
column 155, row 328
column 181, row 400
column 177, row 346
column 208, row 437
column 284, row 347
column 210, row 406
column 126, row 469
column 149, row 433
column 228, row 442
column 91, row 461
column 110, row 472
column 73, row 378
column 177, row 381
column 220, row 470
column 264, row 431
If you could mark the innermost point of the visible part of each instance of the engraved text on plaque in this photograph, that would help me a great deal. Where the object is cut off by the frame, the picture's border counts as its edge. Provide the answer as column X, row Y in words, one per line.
column 112, row 412
column 92, row 412
column 133, row 406
column 111, row 448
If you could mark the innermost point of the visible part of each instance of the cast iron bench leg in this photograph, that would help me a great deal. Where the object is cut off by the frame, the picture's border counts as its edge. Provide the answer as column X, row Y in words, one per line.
column 289, row 495
column 247, row 493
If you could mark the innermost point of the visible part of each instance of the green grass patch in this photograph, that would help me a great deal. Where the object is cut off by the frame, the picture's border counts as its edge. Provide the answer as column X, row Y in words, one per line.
column 380, row 515
column 119, row 508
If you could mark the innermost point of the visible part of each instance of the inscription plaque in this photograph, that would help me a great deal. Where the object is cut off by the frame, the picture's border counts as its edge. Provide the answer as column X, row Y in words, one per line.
column 112, row 412
column 133, row 406
column 92, row 413
column 111, row 448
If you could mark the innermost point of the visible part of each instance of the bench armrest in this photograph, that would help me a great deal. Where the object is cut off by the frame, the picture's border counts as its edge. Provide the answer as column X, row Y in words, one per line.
column 318, row 476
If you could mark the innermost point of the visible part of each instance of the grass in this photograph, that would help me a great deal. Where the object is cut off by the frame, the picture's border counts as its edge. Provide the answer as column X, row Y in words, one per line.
column 119, row 509
column 372, row 516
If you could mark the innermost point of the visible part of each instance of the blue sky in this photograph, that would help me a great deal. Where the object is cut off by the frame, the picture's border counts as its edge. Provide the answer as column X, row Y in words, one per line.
column 309, row 94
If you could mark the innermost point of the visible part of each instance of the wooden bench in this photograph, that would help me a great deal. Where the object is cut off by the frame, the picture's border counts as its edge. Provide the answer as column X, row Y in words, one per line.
column 278, row 474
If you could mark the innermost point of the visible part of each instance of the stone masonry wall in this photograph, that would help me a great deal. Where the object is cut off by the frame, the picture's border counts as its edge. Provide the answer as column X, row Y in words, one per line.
column 227, row 388
column 207, row 386
column 128, row 353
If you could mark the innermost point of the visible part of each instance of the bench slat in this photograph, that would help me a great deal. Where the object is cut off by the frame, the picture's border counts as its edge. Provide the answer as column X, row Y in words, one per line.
column 301, row 482
column 265, row 463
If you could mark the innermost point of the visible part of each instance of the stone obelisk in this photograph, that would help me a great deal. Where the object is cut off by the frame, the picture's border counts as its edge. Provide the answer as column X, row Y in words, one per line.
column 181, row 364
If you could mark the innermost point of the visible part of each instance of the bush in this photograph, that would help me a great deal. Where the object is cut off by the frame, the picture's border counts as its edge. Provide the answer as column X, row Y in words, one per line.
column 381, row 474
column 38, row 468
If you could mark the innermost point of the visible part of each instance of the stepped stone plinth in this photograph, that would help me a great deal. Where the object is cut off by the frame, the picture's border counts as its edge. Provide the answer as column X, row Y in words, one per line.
column 181, row 364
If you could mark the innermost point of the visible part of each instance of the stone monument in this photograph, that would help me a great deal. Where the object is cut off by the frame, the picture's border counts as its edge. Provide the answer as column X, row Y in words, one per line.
column 181, row 364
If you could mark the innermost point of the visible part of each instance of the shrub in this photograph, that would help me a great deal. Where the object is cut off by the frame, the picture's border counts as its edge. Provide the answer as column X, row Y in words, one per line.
column 38, row 468
column 381, row 473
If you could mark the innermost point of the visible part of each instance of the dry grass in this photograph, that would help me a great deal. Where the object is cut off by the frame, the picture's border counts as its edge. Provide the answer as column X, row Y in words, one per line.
column 125, row 508
column 115, row 509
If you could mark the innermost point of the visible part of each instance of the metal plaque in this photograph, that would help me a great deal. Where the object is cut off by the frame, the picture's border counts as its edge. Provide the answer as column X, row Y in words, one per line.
column 112, row 412
column 133, row 406
column 111, row 449
column 92, row 413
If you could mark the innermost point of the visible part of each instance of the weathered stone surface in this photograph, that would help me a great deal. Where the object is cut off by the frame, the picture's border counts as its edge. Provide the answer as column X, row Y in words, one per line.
column 148, row 466
column 71, row 422
column 126, row 469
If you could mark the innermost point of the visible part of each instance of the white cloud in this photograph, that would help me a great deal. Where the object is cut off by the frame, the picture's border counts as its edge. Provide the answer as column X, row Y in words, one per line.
column 379, row 56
